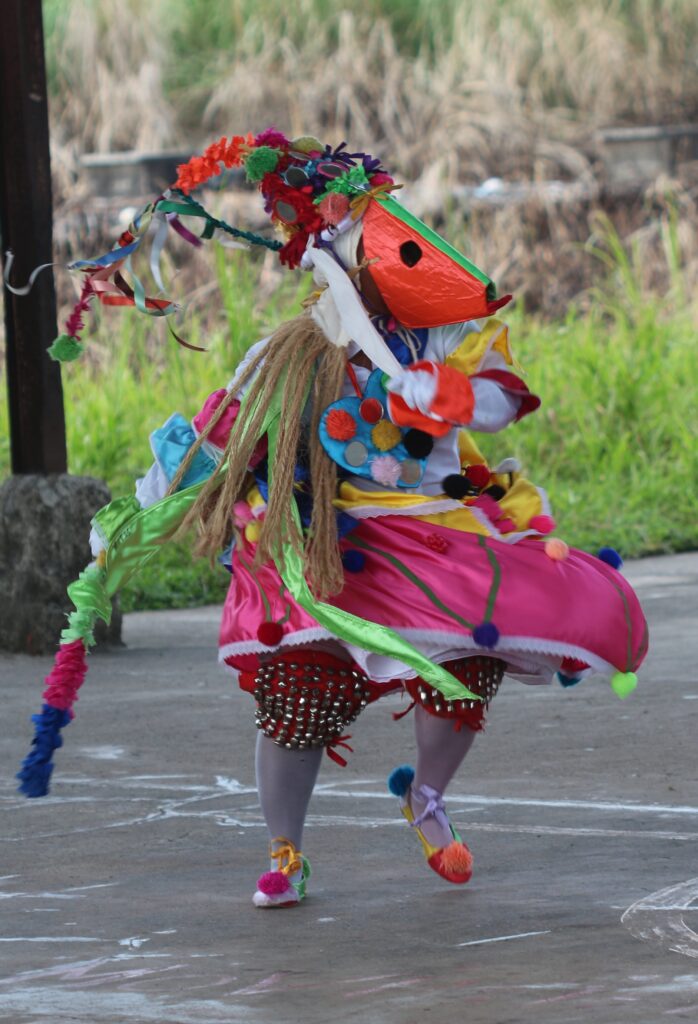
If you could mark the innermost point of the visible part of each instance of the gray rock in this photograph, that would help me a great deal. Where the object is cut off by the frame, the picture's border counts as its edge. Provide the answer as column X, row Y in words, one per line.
column 44, row 531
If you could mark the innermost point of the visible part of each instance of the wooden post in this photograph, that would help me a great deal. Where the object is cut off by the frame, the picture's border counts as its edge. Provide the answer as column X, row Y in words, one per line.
column 37, row 424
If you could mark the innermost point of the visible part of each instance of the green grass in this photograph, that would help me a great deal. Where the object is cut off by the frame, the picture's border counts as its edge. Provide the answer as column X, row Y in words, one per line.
column 614, row 443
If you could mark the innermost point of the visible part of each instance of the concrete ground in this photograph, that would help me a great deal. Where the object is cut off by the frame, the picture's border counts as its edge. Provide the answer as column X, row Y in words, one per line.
column 125, row 895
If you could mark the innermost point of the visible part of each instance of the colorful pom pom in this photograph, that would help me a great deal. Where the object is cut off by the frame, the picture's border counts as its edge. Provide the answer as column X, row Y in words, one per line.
column 611, row 557
column 556, row 549
column 567, row 681
column 260, row 161
column 623, row 684
column 400, row 779
column 455, row 486
column 495, row 491
column 272, row 137
column 456, row 858
column 385, row 435
column 253, row 531
column 340, row 425
column 273, row 883
column 506, row 525
column 572, row 666
column 385, row 470
column 333, row 207
column 542, row 524
column 353, row 561
column 307, row 144
column 478, row 475
column 65, row 349
column 270, row 634
column 486, row 635
column 418, row 443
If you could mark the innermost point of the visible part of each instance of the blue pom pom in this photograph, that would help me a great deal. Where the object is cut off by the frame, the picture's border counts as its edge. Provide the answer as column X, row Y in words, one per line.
column 400, row 779
column 37, row 766
column 486, row 635
column 353, row 561
column 611, row 557
column 566, row 681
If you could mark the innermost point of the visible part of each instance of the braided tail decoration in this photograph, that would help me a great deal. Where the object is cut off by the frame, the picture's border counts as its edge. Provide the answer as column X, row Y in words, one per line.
column 62, row 685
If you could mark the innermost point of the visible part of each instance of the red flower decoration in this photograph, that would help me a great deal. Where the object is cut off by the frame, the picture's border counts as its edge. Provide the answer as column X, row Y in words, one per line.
column 200, row 168
column 436, row 542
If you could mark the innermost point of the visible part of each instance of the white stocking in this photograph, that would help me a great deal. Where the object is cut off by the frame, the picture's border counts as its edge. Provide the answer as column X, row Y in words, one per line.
column 440, row 752
column 285, row 781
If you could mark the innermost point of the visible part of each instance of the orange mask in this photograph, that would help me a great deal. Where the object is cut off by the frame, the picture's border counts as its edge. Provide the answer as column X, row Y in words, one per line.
column 422, row 279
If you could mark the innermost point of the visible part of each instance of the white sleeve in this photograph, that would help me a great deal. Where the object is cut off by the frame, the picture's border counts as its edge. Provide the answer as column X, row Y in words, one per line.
column 494, row 408
column 244, row 363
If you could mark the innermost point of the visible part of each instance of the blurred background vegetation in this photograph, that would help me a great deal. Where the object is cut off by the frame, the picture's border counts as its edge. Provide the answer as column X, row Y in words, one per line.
column 451, row 94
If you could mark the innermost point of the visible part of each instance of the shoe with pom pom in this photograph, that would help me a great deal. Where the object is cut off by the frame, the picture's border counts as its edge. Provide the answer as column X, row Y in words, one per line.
column 286, row 885
column 454, row 862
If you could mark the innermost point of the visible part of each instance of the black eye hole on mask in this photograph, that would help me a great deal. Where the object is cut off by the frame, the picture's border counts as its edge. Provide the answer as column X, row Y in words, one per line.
column 410, row 254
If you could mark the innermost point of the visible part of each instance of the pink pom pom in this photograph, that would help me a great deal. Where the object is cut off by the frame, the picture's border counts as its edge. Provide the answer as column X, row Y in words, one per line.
column 489, row 506
column 242, row 513
column 385, row 469
column 542, row 524
column 380, row 178
column 273, row 883
column 334, row 207
column 506, row 525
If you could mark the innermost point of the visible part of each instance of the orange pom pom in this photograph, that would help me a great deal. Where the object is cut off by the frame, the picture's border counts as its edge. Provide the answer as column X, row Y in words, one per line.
column 556, row 549
column 341, row 425
column 456, row 857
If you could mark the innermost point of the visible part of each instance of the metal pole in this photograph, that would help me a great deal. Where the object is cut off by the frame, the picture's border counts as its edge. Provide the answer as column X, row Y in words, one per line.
column 37, row 424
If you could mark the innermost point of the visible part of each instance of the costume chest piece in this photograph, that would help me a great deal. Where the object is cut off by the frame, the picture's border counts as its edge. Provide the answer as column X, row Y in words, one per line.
column 358, row 434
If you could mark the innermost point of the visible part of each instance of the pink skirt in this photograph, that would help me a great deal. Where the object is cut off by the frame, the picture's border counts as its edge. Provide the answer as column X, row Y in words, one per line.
column 434, row 585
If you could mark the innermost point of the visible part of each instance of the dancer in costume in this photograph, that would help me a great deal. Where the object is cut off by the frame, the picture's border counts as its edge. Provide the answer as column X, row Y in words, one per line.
column 372, row 546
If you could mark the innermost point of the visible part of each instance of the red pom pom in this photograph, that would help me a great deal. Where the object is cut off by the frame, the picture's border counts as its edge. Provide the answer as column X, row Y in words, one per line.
column 371, row 410
column 270, row 634
column 273, row 883
column 570, row 666
column 341, row 425
column 478, row 475
column 506, row 525
column 542, row 524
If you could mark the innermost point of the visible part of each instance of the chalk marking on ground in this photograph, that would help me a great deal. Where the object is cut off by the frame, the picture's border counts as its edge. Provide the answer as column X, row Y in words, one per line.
column 501, row 938
column 658, row 918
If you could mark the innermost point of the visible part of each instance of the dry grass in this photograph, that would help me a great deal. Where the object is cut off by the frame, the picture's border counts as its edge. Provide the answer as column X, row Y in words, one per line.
column 448, row 92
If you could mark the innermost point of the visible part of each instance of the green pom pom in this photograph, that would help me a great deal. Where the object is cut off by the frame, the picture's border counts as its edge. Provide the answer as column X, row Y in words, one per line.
column 65, row 349
column 623, row 684
column 348, row 184
column 261, row 161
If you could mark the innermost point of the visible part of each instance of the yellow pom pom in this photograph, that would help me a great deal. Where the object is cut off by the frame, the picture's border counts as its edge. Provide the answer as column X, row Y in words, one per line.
column 252, row 532
column 556, row 549
column 385, row 435
column 307, row 144
column 623, row 684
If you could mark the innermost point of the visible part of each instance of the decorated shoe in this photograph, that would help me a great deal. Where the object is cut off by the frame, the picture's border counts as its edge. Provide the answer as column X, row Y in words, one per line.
column 280, row 888
column 453, row 862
